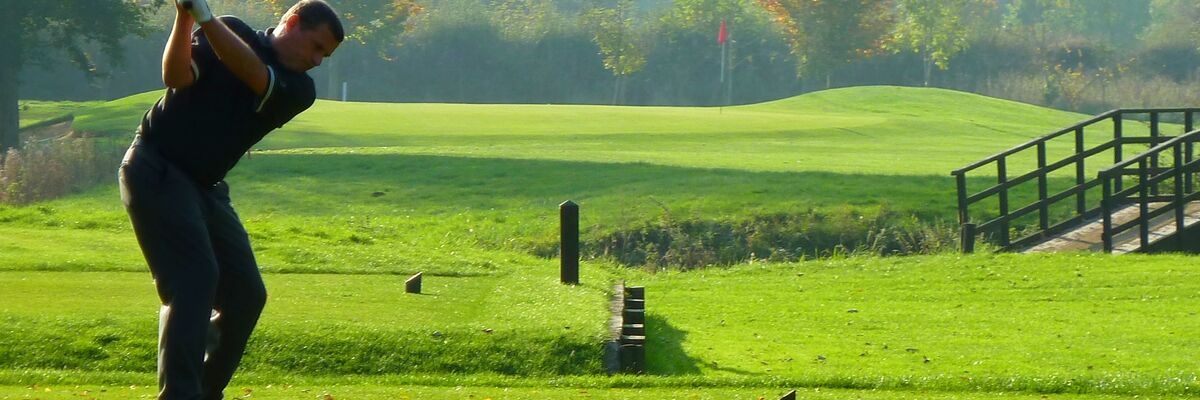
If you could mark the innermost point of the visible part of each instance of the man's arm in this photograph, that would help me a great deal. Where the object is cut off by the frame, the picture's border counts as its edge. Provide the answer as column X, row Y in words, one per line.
column 230, row 49
column 177, row 57
column 236, row 55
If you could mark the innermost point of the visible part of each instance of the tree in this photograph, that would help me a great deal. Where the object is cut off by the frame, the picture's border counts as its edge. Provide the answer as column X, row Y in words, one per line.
column 935, row 29
column 826, row 34
column 620, row 47
column 1068, row 36
column 1174, row 20
column 38, row 32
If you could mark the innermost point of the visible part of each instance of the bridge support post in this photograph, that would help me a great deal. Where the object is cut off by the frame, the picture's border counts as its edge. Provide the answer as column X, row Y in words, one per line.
column 968, row 238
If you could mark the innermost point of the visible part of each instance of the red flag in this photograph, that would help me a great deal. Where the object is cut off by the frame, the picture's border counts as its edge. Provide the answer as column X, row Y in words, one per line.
column 723, row 34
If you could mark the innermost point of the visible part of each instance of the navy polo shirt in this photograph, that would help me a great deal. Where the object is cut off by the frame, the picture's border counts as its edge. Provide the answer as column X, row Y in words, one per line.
column 205, row 128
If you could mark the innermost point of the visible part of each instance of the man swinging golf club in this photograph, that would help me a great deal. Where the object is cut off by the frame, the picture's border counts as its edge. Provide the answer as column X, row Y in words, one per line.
column 228, row 86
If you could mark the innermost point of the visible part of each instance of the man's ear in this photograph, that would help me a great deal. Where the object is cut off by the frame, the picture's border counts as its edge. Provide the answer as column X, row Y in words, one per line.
column 292, row 21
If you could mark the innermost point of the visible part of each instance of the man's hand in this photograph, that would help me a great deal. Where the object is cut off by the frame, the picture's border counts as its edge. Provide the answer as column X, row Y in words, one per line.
column 197, row 8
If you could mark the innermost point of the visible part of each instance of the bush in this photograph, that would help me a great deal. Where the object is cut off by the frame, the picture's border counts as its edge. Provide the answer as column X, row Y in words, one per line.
column 1177, row 61
column 42, row 170
column 694, row 243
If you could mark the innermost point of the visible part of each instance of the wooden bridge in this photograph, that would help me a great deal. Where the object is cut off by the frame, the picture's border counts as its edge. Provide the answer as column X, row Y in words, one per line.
column 1145, row 202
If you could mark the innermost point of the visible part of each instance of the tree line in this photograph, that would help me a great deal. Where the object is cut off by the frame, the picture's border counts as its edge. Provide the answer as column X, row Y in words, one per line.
column 1075, row 54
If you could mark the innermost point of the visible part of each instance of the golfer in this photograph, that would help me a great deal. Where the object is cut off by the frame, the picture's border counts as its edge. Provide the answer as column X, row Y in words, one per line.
column 227, row 87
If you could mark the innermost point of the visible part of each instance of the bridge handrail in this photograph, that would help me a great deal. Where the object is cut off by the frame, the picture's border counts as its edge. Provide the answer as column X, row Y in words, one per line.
column 1183, row 163
column 1034, row 142
column 1044, row 168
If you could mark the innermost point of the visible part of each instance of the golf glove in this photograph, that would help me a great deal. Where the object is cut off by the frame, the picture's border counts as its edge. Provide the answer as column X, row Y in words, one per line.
column 198, row 9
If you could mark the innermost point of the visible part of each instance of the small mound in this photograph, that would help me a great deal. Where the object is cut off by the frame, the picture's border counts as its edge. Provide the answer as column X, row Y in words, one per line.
column 933, row 103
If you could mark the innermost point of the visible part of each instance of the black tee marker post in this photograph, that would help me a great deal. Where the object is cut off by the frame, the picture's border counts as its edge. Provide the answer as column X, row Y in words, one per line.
column 413, row 284
column 568, row 213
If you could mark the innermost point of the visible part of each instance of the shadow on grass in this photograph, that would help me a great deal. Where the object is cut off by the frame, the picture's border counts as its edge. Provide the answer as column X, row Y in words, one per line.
column 311, row 183
column 641, row 213
column 665, row 355
column 664, row 349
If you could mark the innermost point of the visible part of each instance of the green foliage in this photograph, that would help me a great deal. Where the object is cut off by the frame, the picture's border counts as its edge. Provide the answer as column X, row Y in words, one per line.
column 934, row 28
column 33, row 31
column 621, row 48
column 685, row 58
column 67, row 25
column 827, row 35
column 527, row 20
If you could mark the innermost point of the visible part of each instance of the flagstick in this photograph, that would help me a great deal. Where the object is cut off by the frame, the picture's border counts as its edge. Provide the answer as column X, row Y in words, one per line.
column 721, row 108
column 722, row 38
column 722, row 62
column 729, row 86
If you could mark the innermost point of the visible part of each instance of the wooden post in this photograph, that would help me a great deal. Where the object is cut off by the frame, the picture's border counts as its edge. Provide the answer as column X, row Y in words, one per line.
column 1002, row 179
column 1106, row 213
column 1044, row 207
column 1080, row 173
column 1188, row 124
column 963, row 215
column 1117, row 143
column 569, row 250
column 1177, row 151
column 413, row 284
column 1154, row 134
column 1143, row 204
column 968, row 238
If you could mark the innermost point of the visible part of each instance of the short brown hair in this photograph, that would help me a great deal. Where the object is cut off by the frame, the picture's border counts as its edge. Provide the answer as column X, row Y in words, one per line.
column 314, row 13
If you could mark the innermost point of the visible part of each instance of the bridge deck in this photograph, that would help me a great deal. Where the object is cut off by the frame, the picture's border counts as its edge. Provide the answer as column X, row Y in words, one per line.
column 1087, row 235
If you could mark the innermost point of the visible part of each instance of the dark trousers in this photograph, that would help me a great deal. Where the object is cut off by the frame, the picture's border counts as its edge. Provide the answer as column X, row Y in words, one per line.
column 203, row 268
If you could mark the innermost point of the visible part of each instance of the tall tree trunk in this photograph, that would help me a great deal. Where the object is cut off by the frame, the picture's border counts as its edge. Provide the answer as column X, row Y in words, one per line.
column 926, row 60
column 928, row 68
column 616, row 90
column 10, row 66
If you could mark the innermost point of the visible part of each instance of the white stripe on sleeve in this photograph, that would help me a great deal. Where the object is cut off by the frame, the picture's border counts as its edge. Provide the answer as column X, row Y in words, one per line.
column 270, row 88
column 195, row 71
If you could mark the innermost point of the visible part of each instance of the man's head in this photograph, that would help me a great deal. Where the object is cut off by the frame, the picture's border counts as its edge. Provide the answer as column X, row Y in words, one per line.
column 307, row 33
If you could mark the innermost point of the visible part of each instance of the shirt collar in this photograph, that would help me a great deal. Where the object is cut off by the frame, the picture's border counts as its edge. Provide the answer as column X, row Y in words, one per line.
column 264, row 40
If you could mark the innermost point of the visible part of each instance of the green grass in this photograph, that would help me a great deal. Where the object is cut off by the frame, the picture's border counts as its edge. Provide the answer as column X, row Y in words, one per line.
column 33, row 111
column 877, row 130
column 1047, row 323
column 377, row 391
column 451, row 188
column 351, row 198
column 1051, row 324
column 322, row 324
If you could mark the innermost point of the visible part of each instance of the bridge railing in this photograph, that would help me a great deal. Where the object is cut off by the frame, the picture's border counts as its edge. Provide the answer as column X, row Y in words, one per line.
column 1114, row 139
column 1179, row 190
